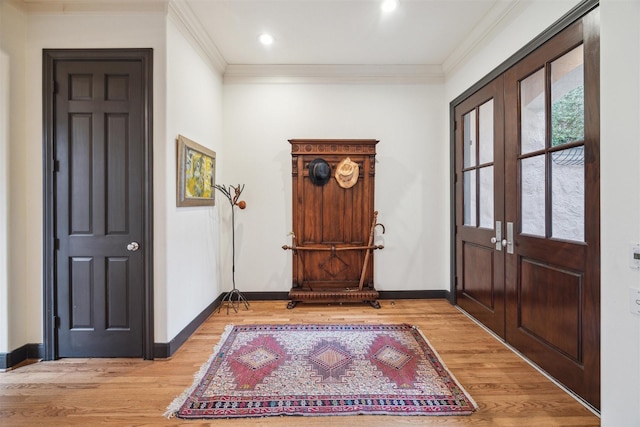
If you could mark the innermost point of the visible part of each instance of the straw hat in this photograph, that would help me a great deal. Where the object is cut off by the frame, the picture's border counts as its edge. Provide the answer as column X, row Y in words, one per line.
column 319, row 171
column 347, row 173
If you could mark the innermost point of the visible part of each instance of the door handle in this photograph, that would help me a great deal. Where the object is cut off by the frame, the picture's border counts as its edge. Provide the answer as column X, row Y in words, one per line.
column 509, row 237
column 133, row 246
column 497, row 240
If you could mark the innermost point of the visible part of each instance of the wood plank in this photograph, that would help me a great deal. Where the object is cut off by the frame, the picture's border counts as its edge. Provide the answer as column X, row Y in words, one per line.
column 74, row 392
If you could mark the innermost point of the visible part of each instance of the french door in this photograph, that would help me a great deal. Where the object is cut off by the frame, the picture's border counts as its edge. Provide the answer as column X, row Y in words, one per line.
column 480, row 206
column 528, row 255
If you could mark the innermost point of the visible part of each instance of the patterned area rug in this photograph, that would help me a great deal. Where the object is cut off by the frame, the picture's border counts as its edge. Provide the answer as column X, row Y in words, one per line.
column 266, row 370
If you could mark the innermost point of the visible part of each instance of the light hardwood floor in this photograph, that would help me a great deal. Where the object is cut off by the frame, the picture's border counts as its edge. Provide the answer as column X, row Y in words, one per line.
column 132, row 392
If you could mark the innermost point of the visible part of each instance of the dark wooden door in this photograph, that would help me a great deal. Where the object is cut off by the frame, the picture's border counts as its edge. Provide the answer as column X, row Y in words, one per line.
column 480, row 206
column 99, row 207
column 552, row 202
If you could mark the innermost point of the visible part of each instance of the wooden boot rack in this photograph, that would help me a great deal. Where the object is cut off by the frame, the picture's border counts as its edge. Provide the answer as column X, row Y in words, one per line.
column 337, row 293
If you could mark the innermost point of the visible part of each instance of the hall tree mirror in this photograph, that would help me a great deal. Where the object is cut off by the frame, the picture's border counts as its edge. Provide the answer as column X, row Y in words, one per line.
column 527, row 220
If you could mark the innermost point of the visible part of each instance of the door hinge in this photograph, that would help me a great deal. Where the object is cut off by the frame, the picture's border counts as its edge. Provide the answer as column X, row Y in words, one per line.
column 56, row 166
column 56, row 321
column 56, row 244
column 55, row 87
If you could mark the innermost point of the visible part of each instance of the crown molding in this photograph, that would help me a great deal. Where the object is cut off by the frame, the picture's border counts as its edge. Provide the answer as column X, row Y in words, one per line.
column 191, row 27
column 85, row 6
column 501, row 12
column 334, row 74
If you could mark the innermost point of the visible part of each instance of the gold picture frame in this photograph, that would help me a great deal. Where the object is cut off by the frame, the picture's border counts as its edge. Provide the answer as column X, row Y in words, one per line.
column 196, row 174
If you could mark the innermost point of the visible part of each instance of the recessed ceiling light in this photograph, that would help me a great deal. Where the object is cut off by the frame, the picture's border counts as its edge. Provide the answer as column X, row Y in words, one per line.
column 266, row 39
column 389, row 5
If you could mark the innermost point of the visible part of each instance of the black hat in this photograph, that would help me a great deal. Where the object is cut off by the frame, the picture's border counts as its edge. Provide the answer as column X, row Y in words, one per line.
column 319, row 171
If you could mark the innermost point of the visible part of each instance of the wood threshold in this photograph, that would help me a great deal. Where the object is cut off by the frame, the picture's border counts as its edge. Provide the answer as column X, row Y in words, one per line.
column 84, row 392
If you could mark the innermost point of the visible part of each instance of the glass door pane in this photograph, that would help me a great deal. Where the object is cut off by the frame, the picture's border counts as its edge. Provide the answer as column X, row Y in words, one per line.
column 470, row 198
column 532, row 113
column 485, row 132
column 567, row 198
column 486, row 197
column 567, row 98
column 470, row 139
column 533, row 195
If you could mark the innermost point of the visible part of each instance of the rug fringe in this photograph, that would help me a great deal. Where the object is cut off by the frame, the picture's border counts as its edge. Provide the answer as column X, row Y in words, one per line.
column 174, row 406
column 433, row 349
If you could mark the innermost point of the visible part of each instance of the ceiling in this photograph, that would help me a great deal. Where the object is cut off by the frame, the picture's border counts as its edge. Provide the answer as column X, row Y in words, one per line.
column 338, row 31
column 428, row 35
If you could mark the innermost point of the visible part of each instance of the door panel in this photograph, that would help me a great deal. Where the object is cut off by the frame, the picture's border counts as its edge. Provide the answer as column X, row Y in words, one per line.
column 99, row 208
column 480, row 205
column 481, row 288
column 550, row 152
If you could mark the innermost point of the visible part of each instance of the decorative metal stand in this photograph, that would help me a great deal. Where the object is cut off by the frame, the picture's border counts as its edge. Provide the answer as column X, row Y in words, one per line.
column 234, row 297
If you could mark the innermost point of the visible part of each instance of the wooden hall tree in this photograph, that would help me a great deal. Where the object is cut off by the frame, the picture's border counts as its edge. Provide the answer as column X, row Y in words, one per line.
column 333, row 220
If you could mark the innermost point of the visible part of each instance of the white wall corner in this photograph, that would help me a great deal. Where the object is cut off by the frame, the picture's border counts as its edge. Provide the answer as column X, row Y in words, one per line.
column 189, row 25
column 502, row 11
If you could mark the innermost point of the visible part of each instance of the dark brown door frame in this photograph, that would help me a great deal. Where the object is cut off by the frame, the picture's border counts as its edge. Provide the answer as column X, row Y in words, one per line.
column 579, row 11
column 49, row 59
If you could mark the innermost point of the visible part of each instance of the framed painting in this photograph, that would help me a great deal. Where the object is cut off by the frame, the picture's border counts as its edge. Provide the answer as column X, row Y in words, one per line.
column 196, row 174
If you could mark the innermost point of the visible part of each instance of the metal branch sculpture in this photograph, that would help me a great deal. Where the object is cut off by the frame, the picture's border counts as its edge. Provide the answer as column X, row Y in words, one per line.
column 234, row 297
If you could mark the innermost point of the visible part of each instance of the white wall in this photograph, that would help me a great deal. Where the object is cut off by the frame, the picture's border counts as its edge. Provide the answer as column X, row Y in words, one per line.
column 620, row 207
column 411, row 195
column 12, row 118
column 186, row 245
